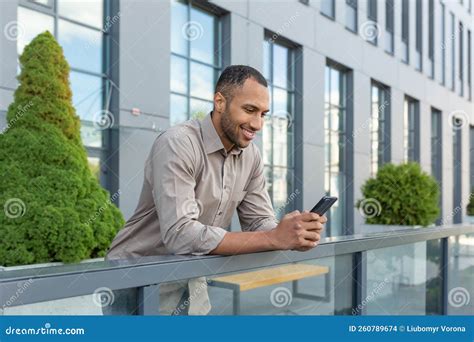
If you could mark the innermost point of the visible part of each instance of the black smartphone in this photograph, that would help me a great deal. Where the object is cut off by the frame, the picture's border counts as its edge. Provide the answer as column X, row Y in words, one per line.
column 323, row 205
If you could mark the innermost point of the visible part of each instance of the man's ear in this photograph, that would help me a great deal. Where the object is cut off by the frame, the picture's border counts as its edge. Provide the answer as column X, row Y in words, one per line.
column 219, row 102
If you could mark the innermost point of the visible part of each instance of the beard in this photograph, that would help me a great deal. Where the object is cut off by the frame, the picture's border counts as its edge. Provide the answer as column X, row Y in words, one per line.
column 230, row 129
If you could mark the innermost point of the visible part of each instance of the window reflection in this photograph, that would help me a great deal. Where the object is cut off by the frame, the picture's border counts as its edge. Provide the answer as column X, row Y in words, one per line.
column 87, row 99
column 32, row 23
column 94, row 166
column 82, row 46
column 199, row 108
column 410, row 122
column 334, row 142
column 202, row 81
column 201, row 32
column 277, row 134
column 379, row 134
column 179, row 70
column 179, row 109
column 90, row 12
column 195, row 61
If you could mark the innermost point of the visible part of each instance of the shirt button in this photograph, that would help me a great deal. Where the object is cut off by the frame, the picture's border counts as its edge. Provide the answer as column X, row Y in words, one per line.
column 219, row 213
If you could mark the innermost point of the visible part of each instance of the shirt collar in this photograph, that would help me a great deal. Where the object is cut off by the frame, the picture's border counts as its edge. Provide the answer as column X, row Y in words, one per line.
column 212, row 141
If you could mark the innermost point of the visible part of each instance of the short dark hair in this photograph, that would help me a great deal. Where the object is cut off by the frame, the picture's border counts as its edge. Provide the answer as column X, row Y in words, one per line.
column 234, row 76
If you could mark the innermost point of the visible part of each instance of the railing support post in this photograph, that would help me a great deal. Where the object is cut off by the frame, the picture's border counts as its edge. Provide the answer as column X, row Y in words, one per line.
column 149, row 300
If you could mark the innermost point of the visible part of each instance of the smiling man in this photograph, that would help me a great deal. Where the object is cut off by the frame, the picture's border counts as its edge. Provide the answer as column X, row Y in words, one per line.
column 197, row 174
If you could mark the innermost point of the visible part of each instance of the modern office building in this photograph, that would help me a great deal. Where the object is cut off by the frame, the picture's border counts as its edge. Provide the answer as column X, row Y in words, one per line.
column 353, row 84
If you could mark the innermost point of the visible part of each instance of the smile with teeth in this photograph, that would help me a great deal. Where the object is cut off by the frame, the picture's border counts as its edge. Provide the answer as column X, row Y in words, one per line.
column 248, row 133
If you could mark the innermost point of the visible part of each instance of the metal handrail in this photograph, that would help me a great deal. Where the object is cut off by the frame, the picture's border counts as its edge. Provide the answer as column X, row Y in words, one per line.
column 65, row 281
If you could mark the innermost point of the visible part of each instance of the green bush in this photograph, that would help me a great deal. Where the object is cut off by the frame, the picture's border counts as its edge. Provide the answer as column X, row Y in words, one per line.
column 470, row 205
column 53, row 207
column 400, row 195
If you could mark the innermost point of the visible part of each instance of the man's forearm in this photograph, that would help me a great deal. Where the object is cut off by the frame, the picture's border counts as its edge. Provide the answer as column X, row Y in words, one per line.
column 246, row 242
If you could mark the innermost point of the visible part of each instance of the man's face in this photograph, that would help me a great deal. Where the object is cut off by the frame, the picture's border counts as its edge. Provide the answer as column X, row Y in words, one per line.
column 245, row 113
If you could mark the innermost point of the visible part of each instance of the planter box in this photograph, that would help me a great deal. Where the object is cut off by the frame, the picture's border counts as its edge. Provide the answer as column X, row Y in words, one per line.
column 469, row 219
column 381, row 228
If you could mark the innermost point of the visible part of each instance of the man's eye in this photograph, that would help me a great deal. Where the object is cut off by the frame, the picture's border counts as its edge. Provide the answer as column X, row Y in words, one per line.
column 248, row 110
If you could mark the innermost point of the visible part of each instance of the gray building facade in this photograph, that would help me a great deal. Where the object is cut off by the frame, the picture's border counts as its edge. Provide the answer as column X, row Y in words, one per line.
column 354, row 84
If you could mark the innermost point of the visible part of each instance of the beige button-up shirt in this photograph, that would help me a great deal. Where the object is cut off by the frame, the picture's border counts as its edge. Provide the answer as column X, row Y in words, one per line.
column 191, row 189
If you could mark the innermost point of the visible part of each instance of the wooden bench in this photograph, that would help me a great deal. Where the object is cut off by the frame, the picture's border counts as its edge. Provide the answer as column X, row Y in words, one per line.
column 272, row 276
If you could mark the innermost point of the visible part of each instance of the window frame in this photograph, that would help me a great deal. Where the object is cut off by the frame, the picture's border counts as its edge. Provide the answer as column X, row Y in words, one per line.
column 108, row 140
column 384, row 125
column 218, row 40
column 293, row 163
column 390, row 25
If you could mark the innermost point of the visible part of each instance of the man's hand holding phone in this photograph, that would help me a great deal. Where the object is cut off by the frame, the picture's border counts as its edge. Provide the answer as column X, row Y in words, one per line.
column 299, row 231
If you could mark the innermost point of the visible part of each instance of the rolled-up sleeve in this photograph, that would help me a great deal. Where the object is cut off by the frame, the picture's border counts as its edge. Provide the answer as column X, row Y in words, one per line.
column 172, row 165
column 256, row 211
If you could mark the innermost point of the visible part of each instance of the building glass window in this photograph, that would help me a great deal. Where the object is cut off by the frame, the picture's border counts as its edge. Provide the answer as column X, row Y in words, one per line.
column 405, row 31
column 351, row 15
column 431, row 34
column 471, row 158
column 278, row 131
column 443, row 43
column 452, row 37
column 411, row 129
column 372, row 19
column 461, row 61
column 469, row 65
column 379, row 126
column 458, row 205
column 335, row 170
column 389, row 26
column 328, row 8
column 78, row 27
column 419, row 35
column 196, row 60
column 436, row 152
